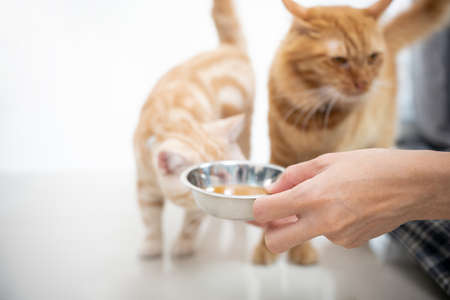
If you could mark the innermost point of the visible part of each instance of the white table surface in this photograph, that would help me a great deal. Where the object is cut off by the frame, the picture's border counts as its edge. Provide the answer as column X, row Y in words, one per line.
column 75, row 235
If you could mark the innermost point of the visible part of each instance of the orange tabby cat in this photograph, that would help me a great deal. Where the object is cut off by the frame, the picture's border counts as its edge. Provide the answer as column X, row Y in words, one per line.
column 194, row 114
column 333, row 84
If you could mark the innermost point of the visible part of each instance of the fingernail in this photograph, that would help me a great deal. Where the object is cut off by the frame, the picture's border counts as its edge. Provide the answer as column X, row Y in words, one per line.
column 271, row 187
column 275, row 241
column 270, row 245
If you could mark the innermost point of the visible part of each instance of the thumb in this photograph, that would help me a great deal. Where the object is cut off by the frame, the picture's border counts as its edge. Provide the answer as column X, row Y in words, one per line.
column 295, row 175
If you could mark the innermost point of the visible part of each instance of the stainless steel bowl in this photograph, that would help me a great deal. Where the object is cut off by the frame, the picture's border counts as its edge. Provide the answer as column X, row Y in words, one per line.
column 203, row 178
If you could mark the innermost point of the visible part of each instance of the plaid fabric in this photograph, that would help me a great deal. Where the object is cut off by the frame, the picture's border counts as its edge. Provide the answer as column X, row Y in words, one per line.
column 429, row 243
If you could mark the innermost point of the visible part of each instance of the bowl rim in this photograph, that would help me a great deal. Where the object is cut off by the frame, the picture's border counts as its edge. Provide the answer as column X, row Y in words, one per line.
column 186, row 182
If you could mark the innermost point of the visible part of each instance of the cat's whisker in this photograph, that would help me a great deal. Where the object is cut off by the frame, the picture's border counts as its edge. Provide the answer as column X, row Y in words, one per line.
column 300, row 115
column 306, row 94
column 303, row 109
column 329, row 109
column 291, row 111
column 311, row 114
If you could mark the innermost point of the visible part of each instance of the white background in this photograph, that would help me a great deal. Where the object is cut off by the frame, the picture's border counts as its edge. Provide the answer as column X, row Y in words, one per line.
column 74, row 74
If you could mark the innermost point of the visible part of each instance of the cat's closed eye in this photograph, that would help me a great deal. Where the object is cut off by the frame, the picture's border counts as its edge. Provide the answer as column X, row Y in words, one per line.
column 340, row 60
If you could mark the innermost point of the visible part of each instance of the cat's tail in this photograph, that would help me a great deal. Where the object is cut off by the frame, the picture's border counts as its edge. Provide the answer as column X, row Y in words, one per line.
column 422, row 19
column 227, row 24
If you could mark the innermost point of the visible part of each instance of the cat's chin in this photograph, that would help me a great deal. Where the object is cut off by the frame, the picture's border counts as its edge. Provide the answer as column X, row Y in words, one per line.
column 340, row 98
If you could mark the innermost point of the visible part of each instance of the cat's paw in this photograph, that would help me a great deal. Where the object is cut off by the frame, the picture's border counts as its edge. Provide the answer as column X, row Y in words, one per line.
column 262, row 256
column 183, row 248
column 151, row 248
column 303, row 255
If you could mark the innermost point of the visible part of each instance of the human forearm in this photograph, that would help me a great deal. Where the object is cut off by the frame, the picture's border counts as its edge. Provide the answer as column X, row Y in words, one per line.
column 433, row 186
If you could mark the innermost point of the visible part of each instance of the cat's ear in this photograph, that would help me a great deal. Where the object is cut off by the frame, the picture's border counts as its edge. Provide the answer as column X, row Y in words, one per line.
column 296, row 9
column 229, row 128
column 170, row 163
column 378, row 8
column 301, row 15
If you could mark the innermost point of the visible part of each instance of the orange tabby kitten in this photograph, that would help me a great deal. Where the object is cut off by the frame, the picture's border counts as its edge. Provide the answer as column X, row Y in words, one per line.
column 195, row 113
column 333, row 84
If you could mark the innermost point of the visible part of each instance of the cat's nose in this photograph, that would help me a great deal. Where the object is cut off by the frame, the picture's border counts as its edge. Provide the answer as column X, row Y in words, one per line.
column 361, row 84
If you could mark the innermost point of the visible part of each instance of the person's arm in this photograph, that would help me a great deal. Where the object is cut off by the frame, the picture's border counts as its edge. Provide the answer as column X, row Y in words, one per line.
column 352, row 197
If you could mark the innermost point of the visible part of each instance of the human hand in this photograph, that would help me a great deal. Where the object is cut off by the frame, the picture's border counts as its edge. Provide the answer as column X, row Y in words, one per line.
column 353, row 197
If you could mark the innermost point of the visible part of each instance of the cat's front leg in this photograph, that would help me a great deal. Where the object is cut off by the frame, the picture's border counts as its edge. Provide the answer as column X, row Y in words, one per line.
column 303, row 254
column 185, row 244
column 151, row 205
column 262, row 255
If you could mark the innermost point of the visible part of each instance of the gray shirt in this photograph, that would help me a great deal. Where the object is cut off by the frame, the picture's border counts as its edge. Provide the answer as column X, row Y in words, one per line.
column 431, row 88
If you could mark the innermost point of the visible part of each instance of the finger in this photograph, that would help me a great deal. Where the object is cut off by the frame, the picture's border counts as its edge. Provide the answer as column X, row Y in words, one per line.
column 294, row 175
column 282, row 238
column 276, row 223
column 257, row 224
column 278, row 206
column 282, row 222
